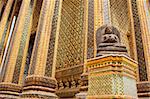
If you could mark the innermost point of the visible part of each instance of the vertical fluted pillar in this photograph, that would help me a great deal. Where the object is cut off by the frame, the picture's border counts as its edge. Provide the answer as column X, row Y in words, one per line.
column 41, row 82
column 12, row 69
column 4, row 24
column 144, row 85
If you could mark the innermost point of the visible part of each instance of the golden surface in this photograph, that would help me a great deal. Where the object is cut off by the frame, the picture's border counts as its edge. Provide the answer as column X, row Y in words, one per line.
column 13, row 55
column 120, row 15
column 145, row 34
column 108, row 76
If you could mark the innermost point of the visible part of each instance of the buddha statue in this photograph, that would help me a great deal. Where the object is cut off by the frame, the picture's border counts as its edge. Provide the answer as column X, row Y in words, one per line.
column 108, row 41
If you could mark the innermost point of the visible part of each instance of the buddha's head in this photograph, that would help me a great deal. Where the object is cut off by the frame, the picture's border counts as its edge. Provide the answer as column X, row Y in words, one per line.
column 109, row 36
column 108, row 41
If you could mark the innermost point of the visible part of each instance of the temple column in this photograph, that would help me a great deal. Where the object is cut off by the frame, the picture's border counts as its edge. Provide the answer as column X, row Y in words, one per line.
column 144, row 86
column 84, row 76
column 41, row 82
column 4, row 23
column 5, row 39
column 143, row 10
column 13, row 68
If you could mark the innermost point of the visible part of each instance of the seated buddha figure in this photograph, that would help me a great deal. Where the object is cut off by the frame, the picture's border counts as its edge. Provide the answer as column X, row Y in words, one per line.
column 108, row 41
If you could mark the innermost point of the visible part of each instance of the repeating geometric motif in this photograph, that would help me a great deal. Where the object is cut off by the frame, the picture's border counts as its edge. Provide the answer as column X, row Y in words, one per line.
column 11, row 44
column 35, row 20
column 139, row 43
column 22, row 45
column 100, row 85
column 50, row 55
column 90, row 37
column 120, row 19
column 119, row 14
column 106, row 85
column 38, row 35
column 71, row 37
column 118, row 84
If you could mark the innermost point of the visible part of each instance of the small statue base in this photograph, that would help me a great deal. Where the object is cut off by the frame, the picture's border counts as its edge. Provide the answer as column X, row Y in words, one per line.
column 112, row 76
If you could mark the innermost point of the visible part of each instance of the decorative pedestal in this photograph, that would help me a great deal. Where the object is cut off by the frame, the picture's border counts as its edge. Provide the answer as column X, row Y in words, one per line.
column 143, row 89
column 112, row 76
column 9, row 90
column 84, row 87
column 39, row 87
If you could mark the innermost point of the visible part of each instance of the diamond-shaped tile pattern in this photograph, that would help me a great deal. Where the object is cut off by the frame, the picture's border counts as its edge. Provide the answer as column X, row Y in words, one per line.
column 71, row 36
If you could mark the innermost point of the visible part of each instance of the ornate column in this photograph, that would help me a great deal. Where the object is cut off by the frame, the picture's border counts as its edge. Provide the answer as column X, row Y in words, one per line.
column 144, row 64
column 89, row 46
column 12, row 70
column 4, row 23
column 112, row 74
column 41, row 82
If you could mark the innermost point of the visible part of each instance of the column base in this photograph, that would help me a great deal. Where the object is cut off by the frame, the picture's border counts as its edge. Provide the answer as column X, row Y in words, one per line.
column 84, row 87
column 39, row 87
column 143, row 89
column 9, row 90
column 38, row 94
